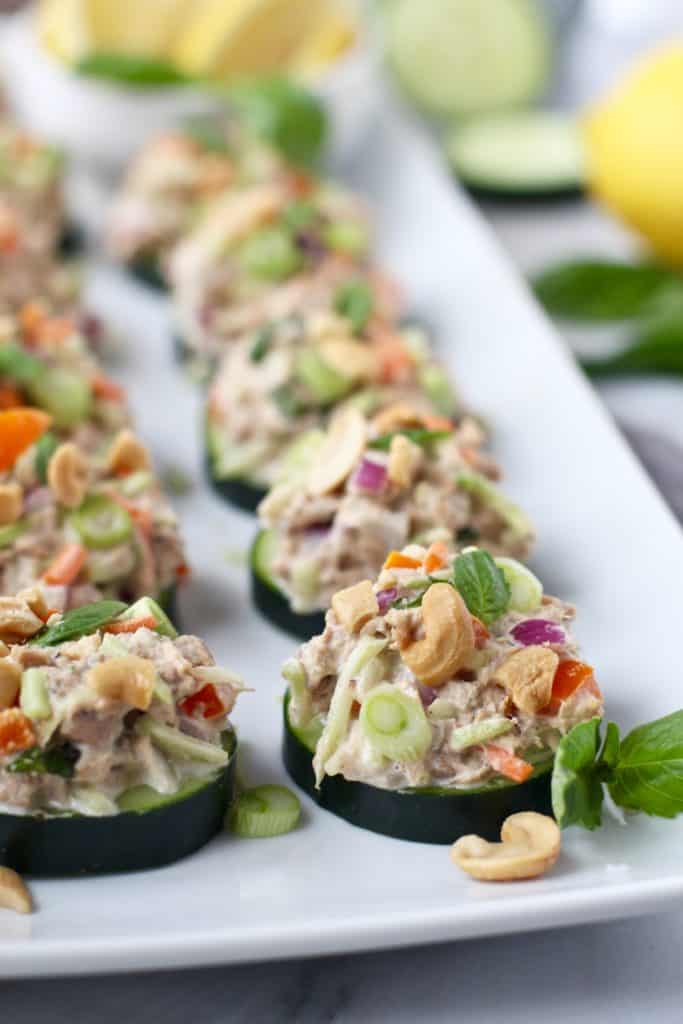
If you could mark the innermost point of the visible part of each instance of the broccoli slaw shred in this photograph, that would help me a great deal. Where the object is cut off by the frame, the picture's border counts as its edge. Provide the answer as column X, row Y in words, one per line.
column 454, row 678
column 104, row 704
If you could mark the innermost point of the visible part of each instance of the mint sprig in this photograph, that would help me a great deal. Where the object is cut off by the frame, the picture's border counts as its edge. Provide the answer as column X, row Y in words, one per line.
column 603, row 291
column 643, row 772
column 482, row 585
column 79, row 622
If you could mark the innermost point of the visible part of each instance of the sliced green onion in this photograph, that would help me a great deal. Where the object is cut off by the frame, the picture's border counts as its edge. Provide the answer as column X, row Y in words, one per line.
column 437, row 386
column 18, row 364
column 347, row 236
column 479, row 732
column 178, row 744
column 147, row 607
column 305, row 581
column 66, row 395
column 355, row 301
column 260, row 346
column 44, row 449
column 526, row 590
column 271, row 254
column 395, row 724
column 324, row 383
column 482, row 488
column 102, row 523
column 418, row 436
column 264, row 812
column 10, row 532
column 295, row 674
column 34, row 698
column 135, row 483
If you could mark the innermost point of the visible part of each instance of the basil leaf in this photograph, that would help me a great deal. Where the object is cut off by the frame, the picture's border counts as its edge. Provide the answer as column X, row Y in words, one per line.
column 609, row 755
column 598, row 290
column 576, row 786
column 79, row 622
column 649, row 774
column 285, row 114
column 58, row 761
column 656, row 348
column 482, row 585
column 418, row 436
column 355, row 301
column 146, row 72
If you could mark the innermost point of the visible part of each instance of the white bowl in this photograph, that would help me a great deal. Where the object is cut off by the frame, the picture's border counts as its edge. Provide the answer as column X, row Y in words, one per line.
column 103, row 125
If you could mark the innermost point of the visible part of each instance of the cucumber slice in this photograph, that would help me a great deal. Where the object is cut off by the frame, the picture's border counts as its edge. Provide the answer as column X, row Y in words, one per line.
column 525, row 155
column 429, row 815
column 238, row 490
column 269, row 600
column 460, row 57
column 152, row 830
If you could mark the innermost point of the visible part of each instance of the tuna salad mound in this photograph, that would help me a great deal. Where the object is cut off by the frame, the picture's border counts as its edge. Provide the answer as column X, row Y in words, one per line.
column 450, row 672
column 46, row 361
column 257, row 256
column 278, row 383
column 171, row 181
column 82, row 526
column 104, row 711
column 371, row 487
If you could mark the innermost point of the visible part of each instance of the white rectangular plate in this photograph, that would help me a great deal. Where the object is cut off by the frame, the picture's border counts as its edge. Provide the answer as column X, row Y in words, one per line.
column 606, row 541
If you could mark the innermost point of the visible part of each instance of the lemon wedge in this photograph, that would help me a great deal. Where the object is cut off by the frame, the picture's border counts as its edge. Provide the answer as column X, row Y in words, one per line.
column 335, row 32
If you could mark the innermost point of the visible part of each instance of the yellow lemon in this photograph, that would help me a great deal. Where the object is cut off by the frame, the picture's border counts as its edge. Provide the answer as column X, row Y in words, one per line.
column 327, row 40
column 634, row 142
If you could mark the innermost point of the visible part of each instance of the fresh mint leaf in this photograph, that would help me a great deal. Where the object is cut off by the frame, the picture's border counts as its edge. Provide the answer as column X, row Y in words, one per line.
column 482, row 585
column 79, row 622
column 609, row 755
column 598, row 290
column 648, row 776
column 418, row 436
column 657, row 348
column 576, row 786
column 142, row 72
column 354, row 300
column 285, row 114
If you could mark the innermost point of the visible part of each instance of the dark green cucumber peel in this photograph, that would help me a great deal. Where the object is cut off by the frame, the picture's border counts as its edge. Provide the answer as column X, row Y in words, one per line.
column 71, row 241
column 145, row 269
column 274, row 606
column 430, row 815
column 129, row 841
column 235, row 490
column 168, row 601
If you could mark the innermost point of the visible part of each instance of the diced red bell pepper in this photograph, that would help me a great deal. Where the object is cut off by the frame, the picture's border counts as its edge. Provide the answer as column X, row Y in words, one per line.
column 205, row 702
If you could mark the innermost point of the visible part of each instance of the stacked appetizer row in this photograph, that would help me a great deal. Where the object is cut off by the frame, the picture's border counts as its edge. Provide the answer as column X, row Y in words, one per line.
column 439, row 690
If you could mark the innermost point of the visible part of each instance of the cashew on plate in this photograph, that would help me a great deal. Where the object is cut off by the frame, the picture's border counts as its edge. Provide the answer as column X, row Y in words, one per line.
column 13, row 893
column 530, row 844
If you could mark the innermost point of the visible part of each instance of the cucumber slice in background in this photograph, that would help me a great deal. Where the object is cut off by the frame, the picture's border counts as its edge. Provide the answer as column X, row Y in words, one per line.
column 270, row 601
column 462, row 57
column 152, row 830
column 429, row 815
column 520, row 154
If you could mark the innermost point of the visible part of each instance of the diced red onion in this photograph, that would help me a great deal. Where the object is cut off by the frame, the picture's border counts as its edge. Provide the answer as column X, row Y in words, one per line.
column 370, row 476
column 316, row 531
column 385, row 598
column 427, row 695
column 39, row 497
column 538, row 631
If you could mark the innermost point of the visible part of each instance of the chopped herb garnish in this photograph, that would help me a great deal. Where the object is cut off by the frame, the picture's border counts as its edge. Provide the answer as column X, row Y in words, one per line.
column 19, row 365
column 79, row 622
column 288, row 402
column 482, row 585
column 300, row 214
column 44, row 449
column 422, row 437
column 58, row 761
column 467, row 535
column 263, row 339
column 355, row 301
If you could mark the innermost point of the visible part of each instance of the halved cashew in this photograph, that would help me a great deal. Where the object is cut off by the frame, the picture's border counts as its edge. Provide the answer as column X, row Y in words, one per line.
column 13, row 893
column 17, row 619
column 127, row 678
column 399, row 416
column 530, row 845
column 449, row 637
column 35, row 599
column 10, row 680
column 339, row 453
column 404, row 460
column 11, row 503
column 528, row 675
column 127, row 454
column 67, row 475
column 352, row 359
column 355, row 605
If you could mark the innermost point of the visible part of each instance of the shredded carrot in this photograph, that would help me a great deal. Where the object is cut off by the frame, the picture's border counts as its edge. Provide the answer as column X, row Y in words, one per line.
column 66, row 566
column 16, row 731
column 131, row 625
column 31, row 316
column 505, row 763
column 183, row 571
column 19, row 429
column 437, row 423
column 9, row 397
column 396, row 560
column 54, row 330
column 103, row 387
column 481, row 633
column 436, row 557
column 142, row 518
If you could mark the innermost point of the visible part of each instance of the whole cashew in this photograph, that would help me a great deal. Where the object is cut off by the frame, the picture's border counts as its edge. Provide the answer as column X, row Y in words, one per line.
column 13, row 893
column 127, row 678
column 528, row 675
column 530, row 845
column 67, row 475
column 449, row 637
